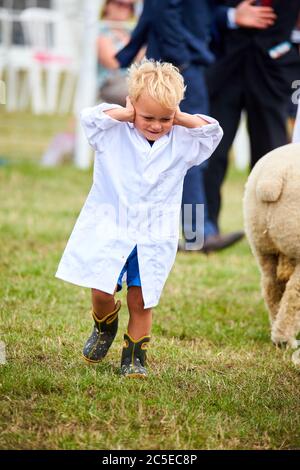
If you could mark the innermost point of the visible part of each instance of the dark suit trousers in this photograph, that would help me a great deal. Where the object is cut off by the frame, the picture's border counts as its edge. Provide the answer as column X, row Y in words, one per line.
column 196, row 101
column 257, row 86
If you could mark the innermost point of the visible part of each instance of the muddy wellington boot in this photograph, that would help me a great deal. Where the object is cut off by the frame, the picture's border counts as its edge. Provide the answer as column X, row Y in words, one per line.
column 134, row 356
column 102, row 336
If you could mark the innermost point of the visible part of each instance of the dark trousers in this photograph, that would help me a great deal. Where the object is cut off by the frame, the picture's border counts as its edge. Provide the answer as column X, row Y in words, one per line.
column 263, row 94
column 196, row 101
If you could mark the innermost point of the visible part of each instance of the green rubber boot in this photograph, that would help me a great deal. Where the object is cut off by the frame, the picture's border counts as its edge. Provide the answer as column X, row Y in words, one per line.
column 134, row 356
column 103, row 334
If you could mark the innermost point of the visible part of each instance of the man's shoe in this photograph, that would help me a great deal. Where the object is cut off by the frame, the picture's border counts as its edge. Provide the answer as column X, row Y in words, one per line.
column 219, row 242
column 134, row 357
column 102, row 336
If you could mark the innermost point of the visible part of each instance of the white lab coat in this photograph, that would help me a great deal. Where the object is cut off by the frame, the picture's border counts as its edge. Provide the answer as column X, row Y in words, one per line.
column 135, row 199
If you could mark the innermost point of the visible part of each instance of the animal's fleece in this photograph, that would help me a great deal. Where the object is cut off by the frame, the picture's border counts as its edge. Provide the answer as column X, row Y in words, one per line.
column 272, row 224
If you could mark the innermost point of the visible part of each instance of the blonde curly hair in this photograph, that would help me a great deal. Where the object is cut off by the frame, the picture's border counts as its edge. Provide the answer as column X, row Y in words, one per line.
column 160, row 80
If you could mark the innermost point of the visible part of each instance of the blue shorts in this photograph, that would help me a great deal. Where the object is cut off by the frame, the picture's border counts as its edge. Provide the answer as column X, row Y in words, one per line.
column 131, row 268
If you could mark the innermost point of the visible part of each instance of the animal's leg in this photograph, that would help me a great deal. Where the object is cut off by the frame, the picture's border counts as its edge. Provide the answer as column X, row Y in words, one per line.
column 272, row 288
column 287, row 323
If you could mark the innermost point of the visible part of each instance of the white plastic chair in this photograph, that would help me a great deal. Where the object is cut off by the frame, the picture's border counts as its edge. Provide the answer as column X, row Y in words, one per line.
column 5, row 38
column 47, row 33
column 18, row 59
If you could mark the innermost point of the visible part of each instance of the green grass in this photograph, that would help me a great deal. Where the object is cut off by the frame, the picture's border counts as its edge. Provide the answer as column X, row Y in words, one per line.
column 216, row 381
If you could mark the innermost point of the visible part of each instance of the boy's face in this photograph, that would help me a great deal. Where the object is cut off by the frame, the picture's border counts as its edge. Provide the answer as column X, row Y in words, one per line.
column 152, row 119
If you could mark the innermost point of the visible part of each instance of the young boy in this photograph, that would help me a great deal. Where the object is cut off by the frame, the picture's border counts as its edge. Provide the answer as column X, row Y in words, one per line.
column 143, row 152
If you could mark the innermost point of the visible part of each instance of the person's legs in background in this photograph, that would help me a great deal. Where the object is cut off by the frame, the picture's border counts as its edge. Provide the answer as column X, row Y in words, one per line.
column 194, row 192
column 195, row 101
column 267, row 109
column 61, row 146
column 226, row 107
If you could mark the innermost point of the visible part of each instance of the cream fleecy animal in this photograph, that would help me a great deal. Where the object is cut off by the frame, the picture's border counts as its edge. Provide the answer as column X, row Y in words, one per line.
column 272, row 224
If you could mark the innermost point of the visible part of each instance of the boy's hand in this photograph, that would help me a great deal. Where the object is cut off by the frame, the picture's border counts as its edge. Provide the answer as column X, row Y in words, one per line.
column 126, row 114
column 177, row 120
column 188, row 120
column 130, row 110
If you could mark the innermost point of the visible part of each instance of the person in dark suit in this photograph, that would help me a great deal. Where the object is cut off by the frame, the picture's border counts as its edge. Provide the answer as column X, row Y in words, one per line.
column 178, row 31
column 251, row 74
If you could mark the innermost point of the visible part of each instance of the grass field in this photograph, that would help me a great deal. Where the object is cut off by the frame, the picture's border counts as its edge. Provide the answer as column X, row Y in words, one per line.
column 216, row 381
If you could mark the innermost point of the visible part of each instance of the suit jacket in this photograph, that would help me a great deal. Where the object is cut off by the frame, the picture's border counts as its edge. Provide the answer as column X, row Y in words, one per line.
column 245, row 52
column 176, row 31
column 240, row 38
